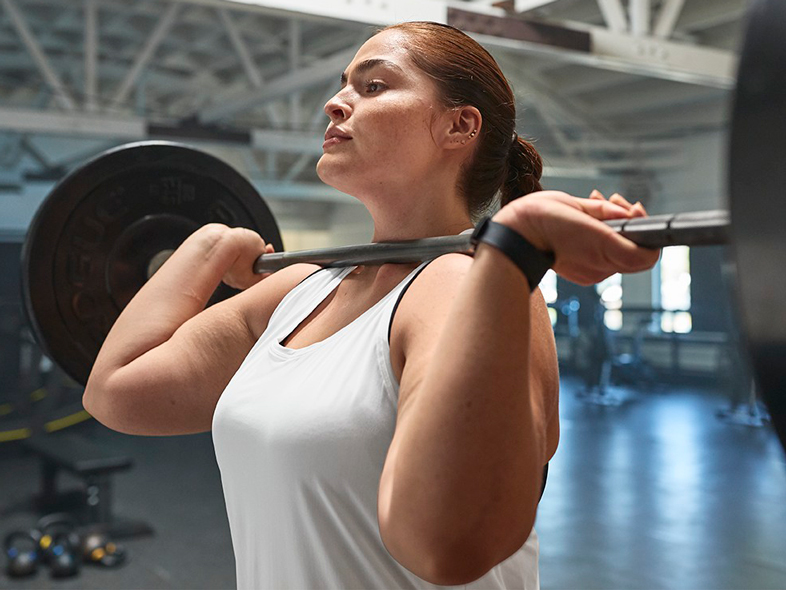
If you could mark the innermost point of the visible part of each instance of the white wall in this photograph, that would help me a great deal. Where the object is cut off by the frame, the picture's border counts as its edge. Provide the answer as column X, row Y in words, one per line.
column 700, row 183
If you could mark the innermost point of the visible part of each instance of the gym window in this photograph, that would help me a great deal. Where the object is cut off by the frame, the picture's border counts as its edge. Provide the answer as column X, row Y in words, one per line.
column 610, row 291
column 675, row 289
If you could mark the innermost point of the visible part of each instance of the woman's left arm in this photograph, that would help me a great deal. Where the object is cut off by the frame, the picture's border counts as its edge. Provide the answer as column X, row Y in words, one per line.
column 461, row 482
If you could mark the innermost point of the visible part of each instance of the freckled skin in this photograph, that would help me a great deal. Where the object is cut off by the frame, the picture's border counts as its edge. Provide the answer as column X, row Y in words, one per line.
column 392, row 150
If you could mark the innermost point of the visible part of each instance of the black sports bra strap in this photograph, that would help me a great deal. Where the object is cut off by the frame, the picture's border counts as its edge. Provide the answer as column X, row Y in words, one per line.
column 400, row 295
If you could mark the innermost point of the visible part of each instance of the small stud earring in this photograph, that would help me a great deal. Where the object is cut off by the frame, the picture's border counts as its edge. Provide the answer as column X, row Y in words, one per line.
column 474, row 132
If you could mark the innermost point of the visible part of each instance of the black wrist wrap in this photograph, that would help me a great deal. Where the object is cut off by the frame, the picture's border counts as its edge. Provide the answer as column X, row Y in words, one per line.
column 533, row 262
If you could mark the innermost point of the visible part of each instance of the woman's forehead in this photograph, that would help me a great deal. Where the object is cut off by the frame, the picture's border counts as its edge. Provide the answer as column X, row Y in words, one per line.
column 388, row 45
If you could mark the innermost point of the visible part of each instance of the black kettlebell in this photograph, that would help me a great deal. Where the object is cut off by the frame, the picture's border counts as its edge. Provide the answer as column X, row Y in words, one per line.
column 98, row 549
column 60, row 544
column 63, row 555
column 21, row 549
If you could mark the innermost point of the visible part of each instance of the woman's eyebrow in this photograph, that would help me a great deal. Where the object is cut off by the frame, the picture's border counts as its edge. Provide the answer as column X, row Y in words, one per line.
column 368, row 64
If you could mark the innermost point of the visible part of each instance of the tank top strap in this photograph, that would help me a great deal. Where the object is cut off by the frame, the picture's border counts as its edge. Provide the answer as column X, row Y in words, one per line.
column 303, row 299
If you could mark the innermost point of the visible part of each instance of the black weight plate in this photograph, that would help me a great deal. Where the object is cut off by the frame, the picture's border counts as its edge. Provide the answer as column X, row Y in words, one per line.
column 91, row 241
column 757, row 189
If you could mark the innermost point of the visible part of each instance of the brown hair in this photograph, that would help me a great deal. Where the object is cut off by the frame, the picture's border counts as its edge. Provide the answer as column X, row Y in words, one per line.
column 467, row 74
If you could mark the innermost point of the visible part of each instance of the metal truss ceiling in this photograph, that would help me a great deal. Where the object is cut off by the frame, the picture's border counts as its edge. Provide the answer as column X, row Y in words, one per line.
column 249, row 79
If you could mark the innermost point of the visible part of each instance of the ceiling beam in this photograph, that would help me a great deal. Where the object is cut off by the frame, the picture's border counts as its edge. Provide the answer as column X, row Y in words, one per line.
column 76, row 124
column 243, row 54
column 667, row 18
column 370, row 12
column 315, row 74
column 63, row 97
column 614, row 15
column 247, row 61
column 144, row 56
column 522, row 6
column 640, row 15
column 600, row 47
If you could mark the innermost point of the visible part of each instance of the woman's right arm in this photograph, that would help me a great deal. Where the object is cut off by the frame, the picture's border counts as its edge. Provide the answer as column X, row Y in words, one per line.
column 167, row 359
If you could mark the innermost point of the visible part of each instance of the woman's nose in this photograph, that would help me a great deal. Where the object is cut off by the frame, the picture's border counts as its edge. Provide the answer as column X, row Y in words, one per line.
column 337, row 108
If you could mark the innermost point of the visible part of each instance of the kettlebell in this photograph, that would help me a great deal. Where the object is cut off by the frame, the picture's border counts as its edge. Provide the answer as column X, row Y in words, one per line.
column 21, row 549
column 60, row 544
column 98, row 549
column 63, row 555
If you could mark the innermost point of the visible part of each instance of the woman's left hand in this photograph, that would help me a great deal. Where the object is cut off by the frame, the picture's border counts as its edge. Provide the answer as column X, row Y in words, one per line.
column 586, row 249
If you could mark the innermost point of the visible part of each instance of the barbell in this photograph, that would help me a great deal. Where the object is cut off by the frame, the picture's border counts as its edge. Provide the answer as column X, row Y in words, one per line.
column 107, row 226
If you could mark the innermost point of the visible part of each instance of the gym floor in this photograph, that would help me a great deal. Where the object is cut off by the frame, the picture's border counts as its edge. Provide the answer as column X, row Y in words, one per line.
column 655, row 493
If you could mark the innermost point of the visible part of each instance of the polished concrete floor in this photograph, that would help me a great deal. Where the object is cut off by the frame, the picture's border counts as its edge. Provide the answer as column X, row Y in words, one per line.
column 658, row 493
column 654, row 493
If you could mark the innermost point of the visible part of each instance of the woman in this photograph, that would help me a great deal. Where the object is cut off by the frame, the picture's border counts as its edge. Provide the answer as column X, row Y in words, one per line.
column 373, row 430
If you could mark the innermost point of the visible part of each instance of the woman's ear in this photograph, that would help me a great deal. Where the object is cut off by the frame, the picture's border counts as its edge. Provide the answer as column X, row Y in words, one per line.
column 462, row 127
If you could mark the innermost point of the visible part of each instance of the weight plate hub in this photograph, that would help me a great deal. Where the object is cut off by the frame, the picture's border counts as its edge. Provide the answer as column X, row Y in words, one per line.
column 108, row 225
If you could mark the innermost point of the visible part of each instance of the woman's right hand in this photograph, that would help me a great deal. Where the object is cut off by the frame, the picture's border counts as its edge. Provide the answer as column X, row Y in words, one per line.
column 249, row 245
column 240, row 246
column 586, row 249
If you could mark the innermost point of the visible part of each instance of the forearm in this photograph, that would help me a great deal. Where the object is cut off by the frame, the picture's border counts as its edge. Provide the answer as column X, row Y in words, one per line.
column 175, row 294
column 165, row 361
column 467, row 469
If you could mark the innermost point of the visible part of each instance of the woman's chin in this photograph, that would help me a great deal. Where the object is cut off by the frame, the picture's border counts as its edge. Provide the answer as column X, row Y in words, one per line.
column 324, row 171
column 331, row 176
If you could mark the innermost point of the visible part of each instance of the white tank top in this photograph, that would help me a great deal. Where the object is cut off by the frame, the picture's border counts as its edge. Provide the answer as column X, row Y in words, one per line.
column 301, row 437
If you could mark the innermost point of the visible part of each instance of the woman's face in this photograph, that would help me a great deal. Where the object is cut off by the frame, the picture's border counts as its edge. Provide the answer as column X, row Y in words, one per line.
column 381, row 135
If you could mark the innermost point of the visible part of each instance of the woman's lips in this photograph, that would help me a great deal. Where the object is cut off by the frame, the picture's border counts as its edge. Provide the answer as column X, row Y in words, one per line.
column 334, row 140
column 334, row 136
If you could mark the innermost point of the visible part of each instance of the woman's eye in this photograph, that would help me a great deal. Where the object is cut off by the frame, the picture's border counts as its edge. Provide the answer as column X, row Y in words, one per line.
column 373, row 86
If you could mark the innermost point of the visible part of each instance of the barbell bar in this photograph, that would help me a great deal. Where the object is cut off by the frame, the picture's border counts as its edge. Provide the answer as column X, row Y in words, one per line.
column 104, row 228
column 700, row 228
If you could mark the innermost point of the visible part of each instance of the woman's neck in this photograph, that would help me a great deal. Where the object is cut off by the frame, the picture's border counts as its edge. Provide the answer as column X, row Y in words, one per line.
column 410, row 219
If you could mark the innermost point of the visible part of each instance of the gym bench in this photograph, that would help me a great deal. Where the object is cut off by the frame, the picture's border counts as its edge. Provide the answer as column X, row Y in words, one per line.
column 92, row 463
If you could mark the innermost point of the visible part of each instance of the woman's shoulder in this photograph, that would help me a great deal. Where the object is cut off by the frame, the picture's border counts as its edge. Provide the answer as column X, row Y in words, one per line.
column 432, row 292
column 439, row 279
column 445, row 271
column 423, row 305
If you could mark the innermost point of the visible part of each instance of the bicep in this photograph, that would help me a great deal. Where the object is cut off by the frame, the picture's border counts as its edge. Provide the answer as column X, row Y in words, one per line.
column 174, row 387
column 473, row 415
column 421, row 316
column 425, row 315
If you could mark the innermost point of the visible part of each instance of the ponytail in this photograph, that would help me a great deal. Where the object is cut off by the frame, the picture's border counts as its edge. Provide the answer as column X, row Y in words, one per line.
column 523, row 171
